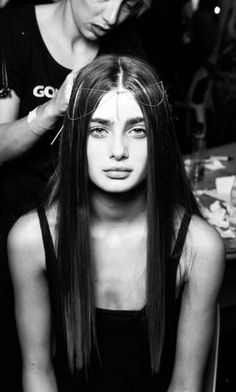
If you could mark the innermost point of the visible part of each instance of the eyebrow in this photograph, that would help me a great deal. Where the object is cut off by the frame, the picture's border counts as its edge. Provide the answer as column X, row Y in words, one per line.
column 129, row 122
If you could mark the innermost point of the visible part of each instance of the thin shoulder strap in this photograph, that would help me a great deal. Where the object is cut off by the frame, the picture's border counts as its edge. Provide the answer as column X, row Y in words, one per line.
column 176, row 254
column 47, row 238
column 52, row 277
column 179, row 243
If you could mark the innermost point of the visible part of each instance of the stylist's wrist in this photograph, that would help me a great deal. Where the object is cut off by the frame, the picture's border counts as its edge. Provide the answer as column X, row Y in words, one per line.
column 42, row 118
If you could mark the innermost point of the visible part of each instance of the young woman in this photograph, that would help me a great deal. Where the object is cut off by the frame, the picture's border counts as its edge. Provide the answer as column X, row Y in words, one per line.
column 116, row 278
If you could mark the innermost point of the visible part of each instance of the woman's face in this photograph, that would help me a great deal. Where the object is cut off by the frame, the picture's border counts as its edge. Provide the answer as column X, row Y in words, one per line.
column 117, row 143
column 94, row 18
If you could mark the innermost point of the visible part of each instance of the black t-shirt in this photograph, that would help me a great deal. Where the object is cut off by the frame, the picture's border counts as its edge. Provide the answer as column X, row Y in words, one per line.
column 35, row 77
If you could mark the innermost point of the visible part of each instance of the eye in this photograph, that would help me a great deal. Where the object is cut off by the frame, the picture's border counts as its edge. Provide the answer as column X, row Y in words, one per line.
column 132, row 5
column 137, row 132
column 98, row 132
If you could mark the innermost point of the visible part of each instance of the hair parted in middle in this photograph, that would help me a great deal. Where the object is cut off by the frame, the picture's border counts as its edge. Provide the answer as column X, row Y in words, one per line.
column 167, row 192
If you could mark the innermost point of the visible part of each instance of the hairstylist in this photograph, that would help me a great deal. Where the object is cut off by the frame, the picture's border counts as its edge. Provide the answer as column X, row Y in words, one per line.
column 42, row 48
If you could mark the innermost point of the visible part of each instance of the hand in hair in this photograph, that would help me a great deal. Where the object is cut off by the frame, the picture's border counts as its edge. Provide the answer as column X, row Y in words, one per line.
column 59, row 103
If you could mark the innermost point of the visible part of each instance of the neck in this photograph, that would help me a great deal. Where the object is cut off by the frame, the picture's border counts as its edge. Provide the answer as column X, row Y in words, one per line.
column 77, row 43
column 63, row 14
column 122, row 208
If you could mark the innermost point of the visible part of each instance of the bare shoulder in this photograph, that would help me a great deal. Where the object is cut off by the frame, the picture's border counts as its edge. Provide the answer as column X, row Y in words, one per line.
column 205, row 255
column 25, row 243
column 203, row 258
column 205, row 239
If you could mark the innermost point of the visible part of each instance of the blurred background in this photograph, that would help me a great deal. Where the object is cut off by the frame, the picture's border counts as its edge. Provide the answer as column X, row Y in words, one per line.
column 192, row 44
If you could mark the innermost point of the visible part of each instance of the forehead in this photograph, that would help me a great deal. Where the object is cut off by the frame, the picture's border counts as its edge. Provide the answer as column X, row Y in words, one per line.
column 118, row 104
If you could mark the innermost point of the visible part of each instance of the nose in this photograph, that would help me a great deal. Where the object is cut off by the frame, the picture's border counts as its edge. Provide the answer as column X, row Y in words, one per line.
column 111, row 13
column 119, row 148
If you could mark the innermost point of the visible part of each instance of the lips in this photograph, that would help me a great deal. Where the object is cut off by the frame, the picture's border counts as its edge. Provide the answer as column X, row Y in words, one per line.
column 99, row 30
column 118, row 172
column 118, row 169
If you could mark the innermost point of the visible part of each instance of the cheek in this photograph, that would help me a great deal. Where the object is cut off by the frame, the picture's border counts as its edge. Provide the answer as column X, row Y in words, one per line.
column 143, row 158
column 92, row 9
column 140, row 152
column 95, row 153
column 143, row 167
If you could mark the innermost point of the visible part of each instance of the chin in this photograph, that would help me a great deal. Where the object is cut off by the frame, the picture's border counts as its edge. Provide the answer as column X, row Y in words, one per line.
column 119, row 187
column 90, row 35
column 116, row 189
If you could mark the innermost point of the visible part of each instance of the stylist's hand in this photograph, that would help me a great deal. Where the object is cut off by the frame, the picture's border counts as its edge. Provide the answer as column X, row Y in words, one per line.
column 61, row 100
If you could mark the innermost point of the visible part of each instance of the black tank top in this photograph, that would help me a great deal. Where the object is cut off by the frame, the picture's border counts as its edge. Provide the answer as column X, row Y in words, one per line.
column 124, row 364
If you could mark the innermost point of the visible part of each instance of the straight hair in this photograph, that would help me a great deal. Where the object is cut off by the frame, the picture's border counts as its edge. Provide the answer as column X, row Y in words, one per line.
column 167, row 191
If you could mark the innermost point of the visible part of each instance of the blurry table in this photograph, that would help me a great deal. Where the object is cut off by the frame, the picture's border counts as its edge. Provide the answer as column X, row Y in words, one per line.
column 208, row 181
column 228, row 291
column 229, row 150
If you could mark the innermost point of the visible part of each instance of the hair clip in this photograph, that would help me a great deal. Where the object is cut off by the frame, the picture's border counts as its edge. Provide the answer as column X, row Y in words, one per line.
column 118, row 90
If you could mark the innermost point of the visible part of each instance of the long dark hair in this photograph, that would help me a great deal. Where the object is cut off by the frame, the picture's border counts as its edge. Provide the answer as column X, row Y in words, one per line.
column 167, row 191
